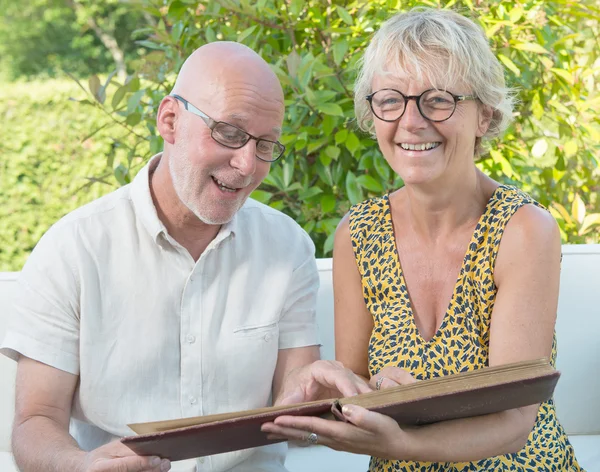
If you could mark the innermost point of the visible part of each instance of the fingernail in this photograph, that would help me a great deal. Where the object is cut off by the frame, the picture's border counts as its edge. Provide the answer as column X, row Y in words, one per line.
column 155, row 461
column 346, row 410
column 165, row 465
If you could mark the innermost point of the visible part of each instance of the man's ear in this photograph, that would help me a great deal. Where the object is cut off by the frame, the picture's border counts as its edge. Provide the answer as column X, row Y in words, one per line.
column 166, row 119
column 484, row 119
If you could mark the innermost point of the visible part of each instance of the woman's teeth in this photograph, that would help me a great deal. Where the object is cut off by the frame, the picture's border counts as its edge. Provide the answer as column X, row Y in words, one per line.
column 418, row 147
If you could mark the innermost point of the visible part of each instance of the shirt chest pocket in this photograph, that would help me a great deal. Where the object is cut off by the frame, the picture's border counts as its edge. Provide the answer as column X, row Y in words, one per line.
column 267, row 332
column 256, row 349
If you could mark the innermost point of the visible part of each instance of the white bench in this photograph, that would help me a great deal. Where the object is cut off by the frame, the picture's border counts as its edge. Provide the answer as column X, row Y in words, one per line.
column 577, row 394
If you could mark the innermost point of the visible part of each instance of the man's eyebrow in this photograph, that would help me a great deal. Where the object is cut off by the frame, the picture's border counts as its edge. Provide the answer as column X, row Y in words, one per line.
column 243, row 119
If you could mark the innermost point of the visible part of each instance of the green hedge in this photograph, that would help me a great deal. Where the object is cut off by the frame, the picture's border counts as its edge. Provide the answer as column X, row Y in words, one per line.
column 48, row 164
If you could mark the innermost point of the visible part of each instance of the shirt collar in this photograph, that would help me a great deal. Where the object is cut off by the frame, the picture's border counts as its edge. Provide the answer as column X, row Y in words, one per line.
column 146, row 211
column 142, row 199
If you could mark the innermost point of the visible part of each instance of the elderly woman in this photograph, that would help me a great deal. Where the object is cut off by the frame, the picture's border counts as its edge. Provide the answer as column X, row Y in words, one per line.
column 450, row 273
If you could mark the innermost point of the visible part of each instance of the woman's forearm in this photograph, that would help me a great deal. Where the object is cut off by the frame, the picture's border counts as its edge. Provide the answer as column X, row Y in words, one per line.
column 470, row 439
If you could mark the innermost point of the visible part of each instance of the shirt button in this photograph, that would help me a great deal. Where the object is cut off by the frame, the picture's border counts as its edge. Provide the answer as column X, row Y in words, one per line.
column 192, row 400
column 201, row 460
column 190, row 338
column 268, row 337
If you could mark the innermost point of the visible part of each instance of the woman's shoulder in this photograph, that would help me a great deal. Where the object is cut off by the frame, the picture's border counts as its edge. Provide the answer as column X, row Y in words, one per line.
column 511, row 196
column 368, row 208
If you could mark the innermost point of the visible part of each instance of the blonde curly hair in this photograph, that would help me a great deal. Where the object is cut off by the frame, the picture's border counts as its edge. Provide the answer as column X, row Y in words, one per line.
column 442, row 47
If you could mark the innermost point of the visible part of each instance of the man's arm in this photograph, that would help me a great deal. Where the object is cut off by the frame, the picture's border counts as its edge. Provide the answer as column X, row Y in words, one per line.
column 40, row 437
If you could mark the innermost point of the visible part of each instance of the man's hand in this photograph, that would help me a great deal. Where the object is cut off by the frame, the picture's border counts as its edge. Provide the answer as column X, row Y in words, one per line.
column 116, row 457
column 319, row 380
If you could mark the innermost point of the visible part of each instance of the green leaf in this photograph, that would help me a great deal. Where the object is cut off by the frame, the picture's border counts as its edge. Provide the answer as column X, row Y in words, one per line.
column 510, row 64
column 344, row 15
column 296, row 7
column 325, row 159
column 563, row 74
column 353, row 189
column 118, row 96
column 210, row 35
column 177, row 9
column 504, row 163
column 261, row 196
column 340, row 48
column 332, row 109
column 589, row 222
column 571, row 148
column 309, row 193
column 328, row 124
column 122, row 174
column 370, row 183
column 327, row 203
column 333, row 152
column 150, row 45
column 133, row 119
column 293, row 62
column 352, row 143
column 578, row 209
column 536, row 106
column 562, row 211
column 134, row 100
column 340, row 136
column 244, row 34
column 531, row 47
column 328, row 246
column 382, row 167
column 515, row 15
column 94, row 84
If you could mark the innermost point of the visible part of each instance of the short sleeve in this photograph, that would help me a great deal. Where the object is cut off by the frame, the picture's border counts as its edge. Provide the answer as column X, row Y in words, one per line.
column 298, row 324
column 44, row 318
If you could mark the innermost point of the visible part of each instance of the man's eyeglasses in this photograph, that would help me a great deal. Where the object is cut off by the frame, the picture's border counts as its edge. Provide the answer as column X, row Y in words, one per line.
column 233, row 137
column 434, row 105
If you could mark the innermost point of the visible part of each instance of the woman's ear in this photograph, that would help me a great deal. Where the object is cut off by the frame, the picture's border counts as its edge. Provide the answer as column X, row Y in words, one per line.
column 166, row 118
column 484, row 119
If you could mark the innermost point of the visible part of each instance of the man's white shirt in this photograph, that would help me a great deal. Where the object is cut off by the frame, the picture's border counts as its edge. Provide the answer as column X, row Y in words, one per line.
column 108, row 295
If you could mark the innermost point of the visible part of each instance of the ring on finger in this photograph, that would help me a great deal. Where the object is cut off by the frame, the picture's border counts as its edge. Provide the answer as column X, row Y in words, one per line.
column 379, row 382
column 312, row 438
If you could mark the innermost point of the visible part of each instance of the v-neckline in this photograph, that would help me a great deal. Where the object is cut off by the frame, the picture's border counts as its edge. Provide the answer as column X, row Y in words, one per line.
column 389, row 226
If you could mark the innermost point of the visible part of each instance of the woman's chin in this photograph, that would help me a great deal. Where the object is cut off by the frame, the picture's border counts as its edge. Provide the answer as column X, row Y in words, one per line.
column 418, row 177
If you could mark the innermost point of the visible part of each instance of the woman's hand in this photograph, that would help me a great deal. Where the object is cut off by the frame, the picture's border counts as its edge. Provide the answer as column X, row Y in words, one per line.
column 365, row 433
column 391, row 377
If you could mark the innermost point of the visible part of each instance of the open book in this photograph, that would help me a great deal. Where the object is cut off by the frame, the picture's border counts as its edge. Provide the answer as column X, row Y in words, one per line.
column 479, row 392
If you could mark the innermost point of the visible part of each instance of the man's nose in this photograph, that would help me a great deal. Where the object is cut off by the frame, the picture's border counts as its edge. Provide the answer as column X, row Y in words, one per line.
column 244, row 158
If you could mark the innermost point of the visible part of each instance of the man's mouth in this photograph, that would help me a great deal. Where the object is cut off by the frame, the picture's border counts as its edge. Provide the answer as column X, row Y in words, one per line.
column 224, row 187
column 419, row 146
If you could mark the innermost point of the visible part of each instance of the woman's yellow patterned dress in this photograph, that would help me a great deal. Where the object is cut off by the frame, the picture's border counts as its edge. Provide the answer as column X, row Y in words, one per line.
column 462, row 341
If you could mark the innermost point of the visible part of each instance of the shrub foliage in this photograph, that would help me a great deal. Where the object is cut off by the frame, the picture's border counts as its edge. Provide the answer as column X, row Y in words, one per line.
column 550, row 50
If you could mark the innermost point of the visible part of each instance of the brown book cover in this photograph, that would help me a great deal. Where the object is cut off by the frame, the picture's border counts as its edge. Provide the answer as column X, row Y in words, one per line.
column 483, row 391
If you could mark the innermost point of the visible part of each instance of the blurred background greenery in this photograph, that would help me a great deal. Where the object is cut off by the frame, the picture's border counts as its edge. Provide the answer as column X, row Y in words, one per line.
column 80, row 82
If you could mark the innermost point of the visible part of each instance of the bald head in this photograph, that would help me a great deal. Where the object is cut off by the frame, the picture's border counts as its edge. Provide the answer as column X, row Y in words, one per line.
column 217, row 66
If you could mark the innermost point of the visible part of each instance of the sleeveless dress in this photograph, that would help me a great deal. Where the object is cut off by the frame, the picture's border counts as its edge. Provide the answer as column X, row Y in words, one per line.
column 462, row 341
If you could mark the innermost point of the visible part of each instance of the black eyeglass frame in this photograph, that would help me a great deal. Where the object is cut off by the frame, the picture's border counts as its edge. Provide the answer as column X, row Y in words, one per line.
column 417, row 99
column 213, row 123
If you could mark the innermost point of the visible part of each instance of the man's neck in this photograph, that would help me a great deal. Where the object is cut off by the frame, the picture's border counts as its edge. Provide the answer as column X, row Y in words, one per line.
column 181, row 224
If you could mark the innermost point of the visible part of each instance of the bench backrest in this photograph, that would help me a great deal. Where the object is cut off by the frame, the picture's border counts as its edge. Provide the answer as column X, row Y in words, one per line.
column 578, row 331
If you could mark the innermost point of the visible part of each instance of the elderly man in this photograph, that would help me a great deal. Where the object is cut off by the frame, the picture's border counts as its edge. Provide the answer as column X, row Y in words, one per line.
column 175, row 295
